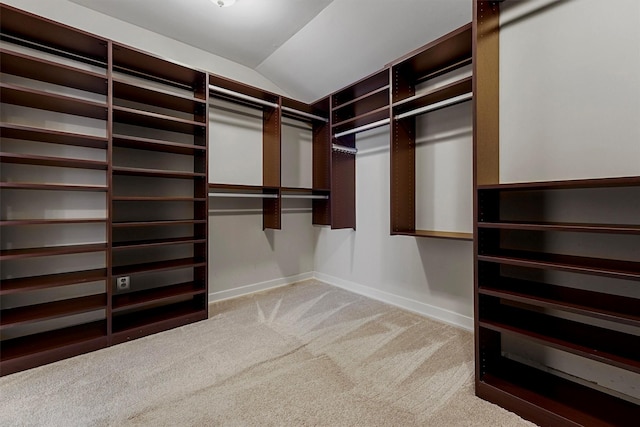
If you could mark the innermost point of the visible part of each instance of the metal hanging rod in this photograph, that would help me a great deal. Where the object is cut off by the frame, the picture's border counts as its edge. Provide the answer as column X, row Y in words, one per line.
column 243, row 96
column 344, row 149
column 247, row 195
column 363, row 127
column 438, row 105
column 305, row 196
column 304, row 114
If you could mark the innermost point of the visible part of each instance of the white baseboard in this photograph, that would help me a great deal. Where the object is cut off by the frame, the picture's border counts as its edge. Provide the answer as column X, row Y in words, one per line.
column 258, row 287
column 433, row 312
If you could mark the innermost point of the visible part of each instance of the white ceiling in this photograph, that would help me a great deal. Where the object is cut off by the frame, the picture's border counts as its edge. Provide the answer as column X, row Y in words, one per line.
column 309, row 48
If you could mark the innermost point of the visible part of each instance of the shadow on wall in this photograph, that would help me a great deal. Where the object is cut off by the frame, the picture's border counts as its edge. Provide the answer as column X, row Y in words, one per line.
column 448, row 268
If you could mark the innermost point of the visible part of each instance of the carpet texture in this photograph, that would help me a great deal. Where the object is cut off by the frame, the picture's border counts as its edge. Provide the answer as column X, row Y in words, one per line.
column 303, row 355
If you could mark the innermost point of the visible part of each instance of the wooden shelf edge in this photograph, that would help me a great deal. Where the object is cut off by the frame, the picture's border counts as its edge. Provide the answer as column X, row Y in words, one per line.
column 23, row 284
column 558, row 226
column 52, row 310
column 30, row 133
column 623, row 181
column 152, row 296
column 450, row 235
column 361, row 97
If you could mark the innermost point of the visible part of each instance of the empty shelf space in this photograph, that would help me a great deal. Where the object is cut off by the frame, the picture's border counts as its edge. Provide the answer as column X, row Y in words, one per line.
column 158, row 97
column 157, row 242
column 7, row 254
column 452, row 235
column 155, row 317
column 8, row 130
column 158, row 266
column 625, row 181
column 603, row 267
column 27, row 97
column 91, row 336
column 562, row 226
column 430, row 98
column 53, row 187
column 24, row 284
column 27, row 159
column 51, row 310
column 155, row 120
column 24, row 222
column 600, row 344
column 379, row 81
column 138, row 143
column 52, row 72
column 382, row 91
column 157, row 173
column 160, row 223
column 363, row 119
column 588, row 303
column 152, row 296
column 514, row 384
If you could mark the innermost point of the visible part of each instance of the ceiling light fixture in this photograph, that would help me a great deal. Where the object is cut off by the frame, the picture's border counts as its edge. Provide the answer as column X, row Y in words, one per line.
column 224, row 3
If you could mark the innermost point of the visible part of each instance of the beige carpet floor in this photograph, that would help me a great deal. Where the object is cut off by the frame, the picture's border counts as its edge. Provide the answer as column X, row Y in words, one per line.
column 303, row 355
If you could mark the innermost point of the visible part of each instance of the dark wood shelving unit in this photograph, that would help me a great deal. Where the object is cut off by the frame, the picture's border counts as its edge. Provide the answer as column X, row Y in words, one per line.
column 443, row 55
column 69, row 53
column 153, row 296
column 360, row 106
column 517, row 295
column 169, row 98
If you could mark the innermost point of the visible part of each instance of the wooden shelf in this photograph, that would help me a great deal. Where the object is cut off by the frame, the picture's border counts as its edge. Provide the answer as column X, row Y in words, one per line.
column 160, row 223
column 550, row 400
column 27, row 97
column 51, row 72
column 374, row 93
column 155, row 120
column 126, row 141
column 62, row 221
column 601, row 267
column 157, row 242
column 51, row 310
column 624, row 181
column 8, row 130
column 157, row 199
column 378, row 81
column 361, row 120
column 599, row 305
column 562, row 226
column 153, row 296
column 600, row 344
column 157, row 97
column 451, row 235
column 53, row 187
column 7, row 254
column 27, row 26
column 132, row 326
column 236, row 187
column 364, row 105
column 156, row 173
column 26, row 159
column 158, row 266
column 67, row 342
column 32, row 283
column 434, row 96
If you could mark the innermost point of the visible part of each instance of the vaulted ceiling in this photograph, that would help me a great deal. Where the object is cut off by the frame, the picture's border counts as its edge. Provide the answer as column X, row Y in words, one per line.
column 309, row 48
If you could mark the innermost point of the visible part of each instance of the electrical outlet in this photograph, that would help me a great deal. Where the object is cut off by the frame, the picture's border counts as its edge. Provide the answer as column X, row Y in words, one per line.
column 123, row 283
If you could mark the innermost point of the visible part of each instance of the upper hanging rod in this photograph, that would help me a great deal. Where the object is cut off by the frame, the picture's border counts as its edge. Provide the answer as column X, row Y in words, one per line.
column 243, row 96
column 248, row 195
column 344, row 149
column 304, row 114
column 363, row 127
column 446, row 103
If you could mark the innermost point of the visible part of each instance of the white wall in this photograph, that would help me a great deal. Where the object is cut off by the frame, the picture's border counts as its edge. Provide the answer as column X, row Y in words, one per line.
column 93, row 22
column 429, row 276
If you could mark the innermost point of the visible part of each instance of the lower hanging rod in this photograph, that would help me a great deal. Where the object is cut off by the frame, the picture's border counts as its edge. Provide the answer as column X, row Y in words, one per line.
column 363, row 127
column 247, row 195
column 242, row 96
column 344, row 149
column 305, row 196
column 438, row 105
